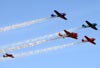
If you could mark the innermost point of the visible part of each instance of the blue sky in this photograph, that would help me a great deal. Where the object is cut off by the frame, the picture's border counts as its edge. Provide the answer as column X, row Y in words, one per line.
column 79, row 56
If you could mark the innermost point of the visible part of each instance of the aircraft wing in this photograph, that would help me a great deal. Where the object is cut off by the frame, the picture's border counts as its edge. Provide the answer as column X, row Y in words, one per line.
column 93, row 42
column 57, row 12
column 88, row 23
column 64, row 18
column 87, row 37
column 68, row 33
column 94, row 28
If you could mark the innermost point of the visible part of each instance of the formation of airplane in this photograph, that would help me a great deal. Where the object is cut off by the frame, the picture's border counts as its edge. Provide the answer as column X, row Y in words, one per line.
column 89, row 24
column 88, row 39
column 58, row 14
column 8, row 55
column 73, row 34
column 69, row 34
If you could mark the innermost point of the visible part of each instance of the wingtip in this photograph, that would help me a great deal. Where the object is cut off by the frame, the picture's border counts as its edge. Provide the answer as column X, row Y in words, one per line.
column 86, row 21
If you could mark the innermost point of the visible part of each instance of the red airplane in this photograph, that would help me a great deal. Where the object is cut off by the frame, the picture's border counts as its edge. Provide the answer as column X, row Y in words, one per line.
column 58, row 14
column 8, row 55
column 88, row 39
column 69, row 34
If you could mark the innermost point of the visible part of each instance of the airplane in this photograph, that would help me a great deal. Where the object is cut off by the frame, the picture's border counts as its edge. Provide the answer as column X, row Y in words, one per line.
column 8, row 55
column 58, row 14
column 69, row 34
column 89, row 24
column 88, row 39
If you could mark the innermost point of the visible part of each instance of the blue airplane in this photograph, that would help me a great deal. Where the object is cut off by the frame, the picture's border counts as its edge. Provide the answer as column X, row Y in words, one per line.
column 58, row 14
column 89, row 24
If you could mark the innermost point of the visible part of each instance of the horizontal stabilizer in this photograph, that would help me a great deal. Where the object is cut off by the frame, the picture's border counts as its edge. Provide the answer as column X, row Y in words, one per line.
column 52, row 15
column 84, row 26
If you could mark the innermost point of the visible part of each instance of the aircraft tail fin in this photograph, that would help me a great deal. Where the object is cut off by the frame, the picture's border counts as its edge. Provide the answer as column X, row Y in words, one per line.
column 4, row 56
column 84, row 26
column 95, row 24
column 64, row 14
column 52, row 15
column 83, row 40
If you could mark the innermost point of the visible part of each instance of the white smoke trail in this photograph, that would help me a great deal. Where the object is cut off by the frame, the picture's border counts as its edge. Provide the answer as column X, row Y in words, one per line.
column 42, row 50
column 11, row 27
column 31, row 43
column 25, row 45
column 38, row 39
column 46, row 49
